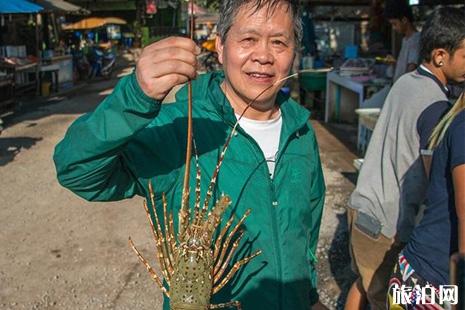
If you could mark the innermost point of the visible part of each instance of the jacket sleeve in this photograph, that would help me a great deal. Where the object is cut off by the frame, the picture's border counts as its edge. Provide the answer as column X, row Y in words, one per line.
column 90, row 160
column 317, row 193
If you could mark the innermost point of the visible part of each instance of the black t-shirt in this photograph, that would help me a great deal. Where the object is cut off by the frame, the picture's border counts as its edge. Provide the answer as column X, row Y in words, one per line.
column 436, row 237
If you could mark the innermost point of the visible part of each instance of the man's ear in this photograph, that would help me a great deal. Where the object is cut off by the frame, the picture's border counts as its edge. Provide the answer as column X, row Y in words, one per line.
column 219, row 49
column 439, row 57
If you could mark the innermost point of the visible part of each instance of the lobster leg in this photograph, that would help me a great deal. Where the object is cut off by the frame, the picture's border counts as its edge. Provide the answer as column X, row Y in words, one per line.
column 168, row 235
column 219, row 240
column 233, row 271
column 228, row 240
column 230, row 304
column 161, row 240
column 149, row 269
column 170, row 228
column 220, row 268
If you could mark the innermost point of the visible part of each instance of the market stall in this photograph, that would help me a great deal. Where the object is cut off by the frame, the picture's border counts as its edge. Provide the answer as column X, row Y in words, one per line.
column 357, row 40
column 56, row 67
column 18, row 70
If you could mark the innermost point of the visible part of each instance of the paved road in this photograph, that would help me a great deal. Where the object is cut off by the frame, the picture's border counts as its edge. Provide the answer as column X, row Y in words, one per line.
column 60, row 252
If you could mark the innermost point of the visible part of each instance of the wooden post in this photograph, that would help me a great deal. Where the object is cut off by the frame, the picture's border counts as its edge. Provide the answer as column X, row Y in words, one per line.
column 38, row 20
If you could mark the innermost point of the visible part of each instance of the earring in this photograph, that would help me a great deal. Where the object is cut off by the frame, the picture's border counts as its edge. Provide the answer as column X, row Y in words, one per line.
column 440, row 64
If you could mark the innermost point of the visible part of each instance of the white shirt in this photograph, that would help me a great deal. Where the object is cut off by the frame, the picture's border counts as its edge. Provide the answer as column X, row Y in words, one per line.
column 266, row 134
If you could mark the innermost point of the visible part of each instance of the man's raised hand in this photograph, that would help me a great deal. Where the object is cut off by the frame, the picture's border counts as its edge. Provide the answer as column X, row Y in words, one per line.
column 165, row 64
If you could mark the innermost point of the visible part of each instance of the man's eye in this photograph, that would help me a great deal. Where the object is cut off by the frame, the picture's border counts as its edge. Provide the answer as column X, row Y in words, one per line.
column 279, row 43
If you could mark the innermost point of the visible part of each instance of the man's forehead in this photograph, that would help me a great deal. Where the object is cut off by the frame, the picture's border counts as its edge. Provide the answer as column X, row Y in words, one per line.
column 275, row 33
column 252, row 8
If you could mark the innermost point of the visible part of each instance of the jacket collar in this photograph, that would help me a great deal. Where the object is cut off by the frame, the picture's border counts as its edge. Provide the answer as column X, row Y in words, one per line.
column 207, row 89
column 421, row 70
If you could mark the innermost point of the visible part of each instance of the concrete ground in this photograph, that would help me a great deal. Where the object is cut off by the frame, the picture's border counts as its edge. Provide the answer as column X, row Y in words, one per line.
column 60, row 252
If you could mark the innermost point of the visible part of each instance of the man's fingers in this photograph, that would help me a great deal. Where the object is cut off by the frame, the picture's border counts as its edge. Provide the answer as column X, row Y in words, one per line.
column 164, row 83
column 180, row 42
column 174, row 53
column 174, row 67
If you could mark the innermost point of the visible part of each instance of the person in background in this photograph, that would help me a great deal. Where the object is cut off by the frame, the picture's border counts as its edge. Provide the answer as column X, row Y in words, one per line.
column 441, row 231
column 400, row 16
column 392, row 183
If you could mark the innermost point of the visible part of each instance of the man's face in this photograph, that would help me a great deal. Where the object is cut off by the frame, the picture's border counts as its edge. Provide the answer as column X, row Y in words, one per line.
column 454, row 66
column 398, row 25
column 257, row 52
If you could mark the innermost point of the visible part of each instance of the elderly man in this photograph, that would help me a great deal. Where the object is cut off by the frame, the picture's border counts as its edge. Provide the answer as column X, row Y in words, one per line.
column 272, row 165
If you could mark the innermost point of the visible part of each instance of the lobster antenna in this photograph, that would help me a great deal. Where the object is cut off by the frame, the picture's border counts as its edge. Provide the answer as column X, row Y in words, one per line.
column 185, row 188
column 228, row 140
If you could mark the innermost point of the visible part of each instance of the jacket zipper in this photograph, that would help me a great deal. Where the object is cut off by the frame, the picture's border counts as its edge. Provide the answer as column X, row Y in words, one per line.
column 275, row 219
column 273, row 215
column 276, row 241
column 274, row 205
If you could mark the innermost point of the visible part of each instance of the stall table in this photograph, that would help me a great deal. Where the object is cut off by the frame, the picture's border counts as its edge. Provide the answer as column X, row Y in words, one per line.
column 54, row 76
column 344, row 95
column 64, row 63
column 23, row 74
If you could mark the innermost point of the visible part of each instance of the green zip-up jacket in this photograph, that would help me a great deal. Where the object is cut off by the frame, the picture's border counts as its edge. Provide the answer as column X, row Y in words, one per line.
column 113, row 152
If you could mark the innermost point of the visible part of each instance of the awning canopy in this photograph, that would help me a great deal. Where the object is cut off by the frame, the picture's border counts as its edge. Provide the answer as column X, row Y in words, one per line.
column 61, row 6
column 18, row 6
column 94, row 22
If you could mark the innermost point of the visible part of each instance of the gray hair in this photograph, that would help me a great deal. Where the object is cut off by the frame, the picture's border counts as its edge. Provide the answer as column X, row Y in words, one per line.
column 230, row 8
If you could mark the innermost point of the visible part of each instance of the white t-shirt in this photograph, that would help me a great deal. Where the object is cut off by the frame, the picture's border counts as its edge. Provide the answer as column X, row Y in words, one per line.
column 408, row 54
column 266, row 134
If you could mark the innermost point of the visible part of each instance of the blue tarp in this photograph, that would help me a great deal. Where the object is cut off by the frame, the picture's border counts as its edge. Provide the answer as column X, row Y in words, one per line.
column 18, row 6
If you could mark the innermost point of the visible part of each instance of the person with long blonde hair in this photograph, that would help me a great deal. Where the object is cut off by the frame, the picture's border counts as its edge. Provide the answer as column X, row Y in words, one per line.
column 441, row 232
column 441, row 128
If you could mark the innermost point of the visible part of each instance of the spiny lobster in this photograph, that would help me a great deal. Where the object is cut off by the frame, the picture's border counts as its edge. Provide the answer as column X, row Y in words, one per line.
column 193, row 267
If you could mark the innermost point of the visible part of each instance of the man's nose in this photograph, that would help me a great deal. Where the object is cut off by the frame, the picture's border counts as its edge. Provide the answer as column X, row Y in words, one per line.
column 262, row 53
